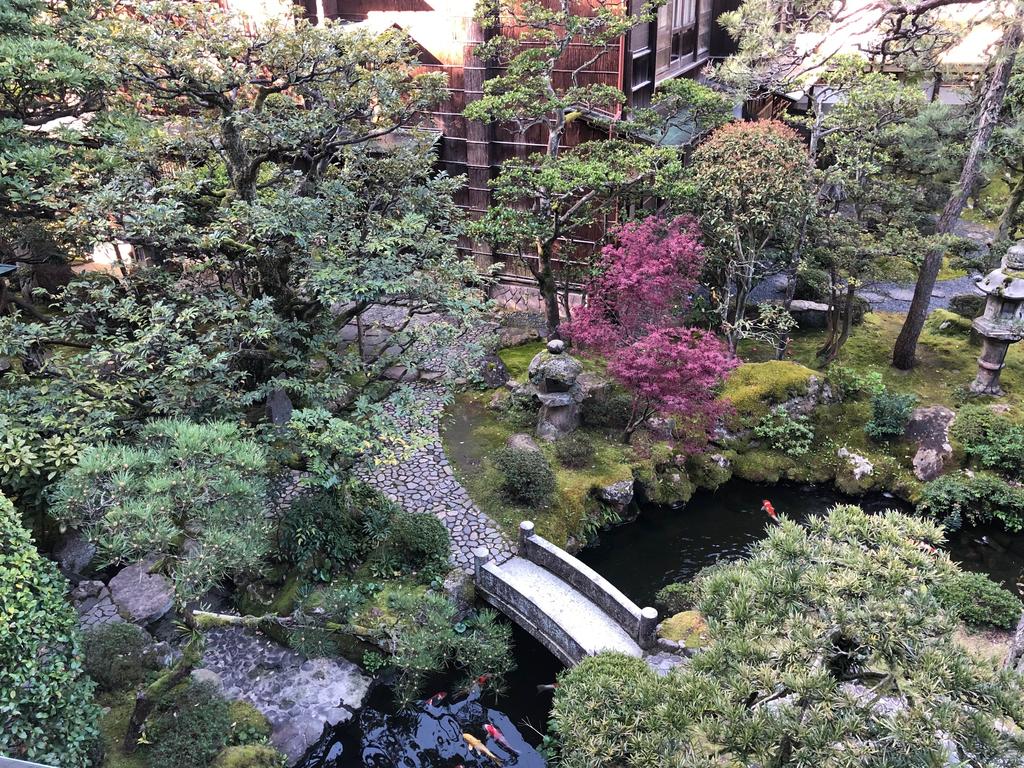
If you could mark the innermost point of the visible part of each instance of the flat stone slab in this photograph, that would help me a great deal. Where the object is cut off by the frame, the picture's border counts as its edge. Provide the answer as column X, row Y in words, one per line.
column 299, row 696
column 584, row 621
column 141, row 597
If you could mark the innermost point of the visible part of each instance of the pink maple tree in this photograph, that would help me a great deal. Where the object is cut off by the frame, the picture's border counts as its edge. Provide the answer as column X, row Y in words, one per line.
column 634, row 317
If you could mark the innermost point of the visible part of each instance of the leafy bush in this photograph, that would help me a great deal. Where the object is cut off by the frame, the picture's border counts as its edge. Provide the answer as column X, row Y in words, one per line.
column 518, row 411
column 186, row 483
column 847, row 382
column 416, row 543
column 250, row 756
column 248, row 724
column 790, row 434
column 318, row 531
column 992, row 439
column 116, row 657
column 974, row 498
column 46, row 709
column 526, row 477
column 607, row 409
column 574, row 451
column 977, row 600
column 191, row 726
column 426, row 638
column 676, row 597
column 890, row 412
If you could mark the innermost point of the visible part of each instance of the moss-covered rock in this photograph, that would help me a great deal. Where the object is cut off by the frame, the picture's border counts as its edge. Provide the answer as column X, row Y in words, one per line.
column 754, row 388
column 687, row 628
column 250, row 756
column 710, row 470
column 248, row 724
column 762, row 466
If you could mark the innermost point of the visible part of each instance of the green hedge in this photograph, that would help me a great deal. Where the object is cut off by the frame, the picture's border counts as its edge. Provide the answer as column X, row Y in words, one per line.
column 969, row 499
column 46, row 710
column 977, row 600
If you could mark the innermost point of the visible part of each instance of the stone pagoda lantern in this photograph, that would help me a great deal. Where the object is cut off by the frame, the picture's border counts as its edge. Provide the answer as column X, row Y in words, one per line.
column 1002, row 324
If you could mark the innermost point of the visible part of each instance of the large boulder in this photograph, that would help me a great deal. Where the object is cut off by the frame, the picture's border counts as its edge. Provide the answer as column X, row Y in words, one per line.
column 74, row 553
column 492, row 371
column 514, row 337
column 929, row 429
column 522, row 442
column 141, row 597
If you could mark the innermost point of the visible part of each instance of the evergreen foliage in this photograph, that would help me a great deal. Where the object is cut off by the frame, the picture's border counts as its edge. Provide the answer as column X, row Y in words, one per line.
column 46, row 709
column 824, row 645
column 527, row 477
column 194, row 493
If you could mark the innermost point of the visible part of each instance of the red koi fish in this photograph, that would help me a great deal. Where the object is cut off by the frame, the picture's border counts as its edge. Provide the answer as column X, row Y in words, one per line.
column 768, row 509
column 437, row 698
column 499, row 737
column 924, row 546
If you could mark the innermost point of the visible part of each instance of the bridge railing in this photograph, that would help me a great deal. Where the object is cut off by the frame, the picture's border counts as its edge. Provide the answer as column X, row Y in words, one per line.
column 638, row 623
column 525, row 613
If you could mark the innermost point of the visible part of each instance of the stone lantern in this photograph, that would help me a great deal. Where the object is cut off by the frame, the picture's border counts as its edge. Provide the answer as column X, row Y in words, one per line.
column 1002, row 324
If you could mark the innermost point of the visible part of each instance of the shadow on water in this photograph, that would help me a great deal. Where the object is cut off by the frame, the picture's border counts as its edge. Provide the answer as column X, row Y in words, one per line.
column 668, row 545
column 428, row 734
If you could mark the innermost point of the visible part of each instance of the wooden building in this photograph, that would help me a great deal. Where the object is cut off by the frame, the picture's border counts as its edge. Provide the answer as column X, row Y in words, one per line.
column 679, row 42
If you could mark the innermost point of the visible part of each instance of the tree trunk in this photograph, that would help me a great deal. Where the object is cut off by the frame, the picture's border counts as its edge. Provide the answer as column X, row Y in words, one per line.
column 906, row 343
column 147, row 697
column 1013, row 201
column 548, row 287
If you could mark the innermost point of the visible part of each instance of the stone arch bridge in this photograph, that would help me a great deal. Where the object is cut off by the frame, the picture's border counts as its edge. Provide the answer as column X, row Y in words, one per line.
column 569, row 607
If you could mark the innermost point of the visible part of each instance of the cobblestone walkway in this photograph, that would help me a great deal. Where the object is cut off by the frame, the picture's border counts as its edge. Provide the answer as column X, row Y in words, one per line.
column 424, row 482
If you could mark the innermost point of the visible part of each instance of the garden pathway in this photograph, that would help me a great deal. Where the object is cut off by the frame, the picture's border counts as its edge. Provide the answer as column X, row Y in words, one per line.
column 424, row 481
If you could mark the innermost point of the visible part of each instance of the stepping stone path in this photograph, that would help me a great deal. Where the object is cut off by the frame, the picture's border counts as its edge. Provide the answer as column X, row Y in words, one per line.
column 423, row 482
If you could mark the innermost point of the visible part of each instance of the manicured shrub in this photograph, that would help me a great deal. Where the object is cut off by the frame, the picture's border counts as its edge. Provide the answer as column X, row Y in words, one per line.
column 319, row 532
column 607, row 409
column 518, row 411
column 250, row 756
column 890, row 412
column 417, row 543
column 526, row 477
column 962, row 498
column 116, row 657
column 991, row 439
column 46, row 710
column 180, row 484
column 676, row 598
column 790, row 434
column 192, row 725
column 608, row 710
column 574, row 451
column 967, row 305
column 977, row 600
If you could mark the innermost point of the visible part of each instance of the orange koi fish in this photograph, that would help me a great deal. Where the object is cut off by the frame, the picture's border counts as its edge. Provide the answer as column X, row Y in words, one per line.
column 499, row 737
column 476, row 745
column 768, row 509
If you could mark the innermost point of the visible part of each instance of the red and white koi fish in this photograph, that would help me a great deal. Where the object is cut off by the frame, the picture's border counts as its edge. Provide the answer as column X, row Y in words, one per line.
column 768, row 509
column 924, row 546
column 437, row 698
column 499, row 737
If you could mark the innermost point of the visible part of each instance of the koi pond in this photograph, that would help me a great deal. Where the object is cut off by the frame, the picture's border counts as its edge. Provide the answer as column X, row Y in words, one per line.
column 662, row 546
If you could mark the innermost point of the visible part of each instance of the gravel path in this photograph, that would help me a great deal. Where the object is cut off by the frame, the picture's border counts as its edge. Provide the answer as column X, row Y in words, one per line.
column 424, row 482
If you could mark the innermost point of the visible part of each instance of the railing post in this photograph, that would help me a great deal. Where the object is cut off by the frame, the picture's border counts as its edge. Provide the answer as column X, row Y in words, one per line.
column 648, row 623
column 525, row 532
column 480, row 557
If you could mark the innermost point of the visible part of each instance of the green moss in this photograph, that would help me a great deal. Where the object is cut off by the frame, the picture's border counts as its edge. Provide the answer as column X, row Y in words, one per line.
column 687, row 627
column 517, row 359
column 942, row 322
column 761, row 466
column 665, row 483
column 248, row 724
column 113, row 725
column 249, row 756
column 754, row 387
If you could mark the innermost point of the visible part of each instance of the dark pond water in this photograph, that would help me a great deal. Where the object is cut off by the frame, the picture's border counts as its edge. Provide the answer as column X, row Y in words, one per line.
column 666, row 545
column 429, row 734
column 663, row 546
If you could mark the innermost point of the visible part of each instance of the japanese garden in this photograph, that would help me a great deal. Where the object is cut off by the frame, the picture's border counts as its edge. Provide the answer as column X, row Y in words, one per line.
column 531, row 383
